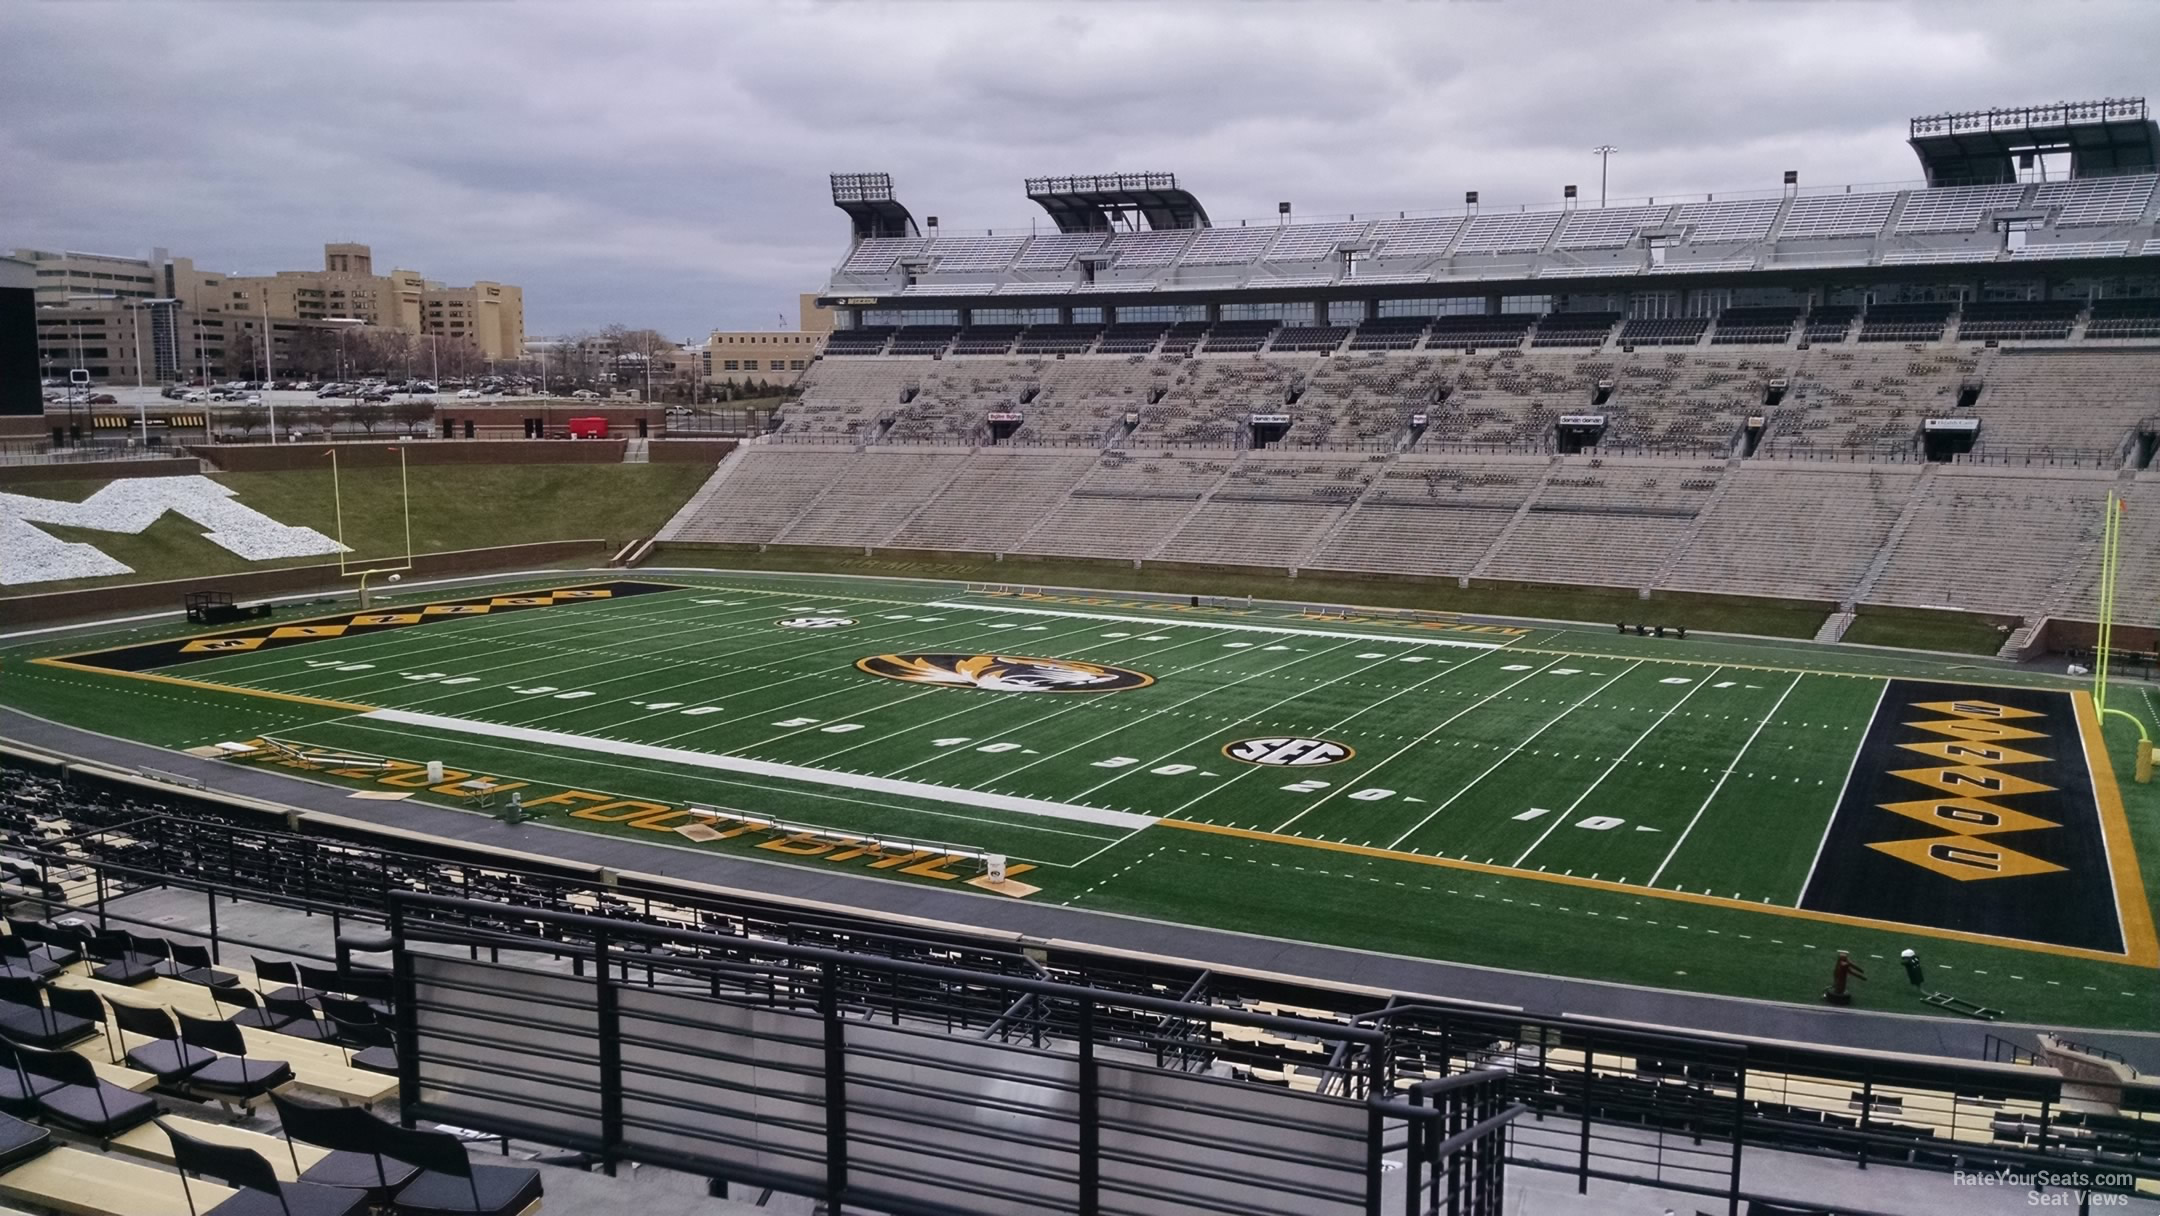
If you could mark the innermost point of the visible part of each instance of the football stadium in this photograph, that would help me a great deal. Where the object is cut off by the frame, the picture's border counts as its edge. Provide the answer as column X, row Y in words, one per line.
column 1637, row 707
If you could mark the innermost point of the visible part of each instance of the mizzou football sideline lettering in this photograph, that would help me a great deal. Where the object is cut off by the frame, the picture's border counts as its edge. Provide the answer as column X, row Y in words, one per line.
column 1972, row 809
column 1003, row 673
column 637, row 813
column 419, row 613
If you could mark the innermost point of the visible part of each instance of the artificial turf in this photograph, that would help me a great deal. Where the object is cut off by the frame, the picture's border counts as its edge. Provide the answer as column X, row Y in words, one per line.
column 1538, row 804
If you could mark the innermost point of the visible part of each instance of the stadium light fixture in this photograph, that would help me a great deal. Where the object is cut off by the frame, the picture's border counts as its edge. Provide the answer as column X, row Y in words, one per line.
column 1603, row 152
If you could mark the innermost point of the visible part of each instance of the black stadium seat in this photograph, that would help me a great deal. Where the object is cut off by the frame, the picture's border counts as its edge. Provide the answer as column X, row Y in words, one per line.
column 82, row 1102
column 260, row 1192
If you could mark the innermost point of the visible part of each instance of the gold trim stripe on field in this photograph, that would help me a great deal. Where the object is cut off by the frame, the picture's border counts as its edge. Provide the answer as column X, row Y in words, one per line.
column 2132, row 908
column 154, row 678
column 1617, row 888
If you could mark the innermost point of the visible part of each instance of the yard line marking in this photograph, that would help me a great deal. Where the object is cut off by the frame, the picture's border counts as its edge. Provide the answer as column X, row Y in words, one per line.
column 1505, row 757
column 701, row 635
column 1414, row 742
column 1233, row 625
column 453, row 631
column 1858, row 745
column 1729, row 770
column 1000, row 823
column 853, row 688
column 1031, row 723
column 767, row 768
column 1562, row 817
column 1202, row 695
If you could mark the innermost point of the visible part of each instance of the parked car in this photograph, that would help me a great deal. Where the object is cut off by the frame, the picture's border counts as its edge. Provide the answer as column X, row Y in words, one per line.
column 586, row 394
column 467, row 394
column 254, row 399
column 101, row 399
column 196, row 396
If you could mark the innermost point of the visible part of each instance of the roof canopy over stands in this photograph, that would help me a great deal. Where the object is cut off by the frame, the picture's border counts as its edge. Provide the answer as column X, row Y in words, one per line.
column 2103, row 138
column 1096, row 202
column 868, row 200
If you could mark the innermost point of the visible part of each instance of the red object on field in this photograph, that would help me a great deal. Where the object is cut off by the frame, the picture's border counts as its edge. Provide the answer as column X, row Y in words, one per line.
column 588, row 428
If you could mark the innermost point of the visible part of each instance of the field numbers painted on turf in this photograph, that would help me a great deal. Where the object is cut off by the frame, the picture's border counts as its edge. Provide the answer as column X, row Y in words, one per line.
column 1600, row 823
column 462, row 680
column 341, row 666
column 840, row 728
column 998, row 747
column 954, row 741
column 1118, row 762
column 579, row 695
column 1531, row 814
column 419, row 676
column 1312, row 786
column 697, row 711
column 1374, row 794
column 1677, row 680
column 1173, row 770
column 796, row 722
column 534, row 691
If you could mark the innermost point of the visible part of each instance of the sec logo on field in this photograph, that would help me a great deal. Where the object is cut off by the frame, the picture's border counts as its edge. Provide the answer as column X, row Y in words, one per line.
column 816, row 622
column 1284, row 752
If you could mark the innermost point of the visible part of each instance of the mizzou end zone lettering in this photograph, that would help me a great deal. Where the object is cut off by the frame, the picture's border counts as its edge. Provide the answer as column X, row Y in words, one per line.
column 1972, row 810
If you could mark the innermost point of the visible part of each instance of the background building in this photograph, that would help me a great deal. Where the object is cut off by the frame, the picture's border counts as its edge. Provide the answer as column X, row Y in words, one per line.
column 775, row 356
column 97, row 290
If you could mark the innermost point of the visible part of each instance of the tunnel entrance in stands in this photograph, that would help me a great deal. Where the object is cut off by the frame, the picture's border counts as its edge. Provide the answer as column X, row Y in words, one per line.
column 1268, row 430
column 1002, row 424
column 1579, row 432
column 1948, row 438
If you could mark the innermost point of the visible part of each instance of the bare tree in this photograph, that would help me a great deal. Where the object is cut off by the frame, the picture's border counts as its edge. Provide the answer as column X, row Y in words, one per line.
column 247, row 417
column 369, row 414
column 412, row 412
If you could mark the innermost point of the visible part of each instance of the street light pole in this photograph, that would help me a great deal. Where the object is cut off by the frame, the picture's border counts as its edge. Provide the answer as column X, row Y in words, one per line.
column 1604, row 154
column 269, row 394
column 142, row 416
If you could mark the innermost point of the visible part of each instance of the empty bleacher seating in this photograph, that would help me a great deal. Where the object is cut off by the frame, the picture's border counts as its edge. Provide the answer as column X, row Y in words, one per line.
column 1755, row 326
column 1310, row 337
column 1132, row 337
column 1479, row 330
column 1574, row 328
column 863, row 340
column 1829, row 323
column 1668, row 331
column 1916, row 322
column 985, row 339
column 922, row 339
column 1239, row 337
column 2027, row 320
column 1057, row 339
column 2124, row 317
column 1390, row 333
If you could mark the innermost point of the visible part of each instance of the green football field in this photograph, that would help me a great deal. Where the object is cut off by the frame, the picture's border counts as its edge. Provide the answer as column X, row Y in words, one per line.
column 1696, row 813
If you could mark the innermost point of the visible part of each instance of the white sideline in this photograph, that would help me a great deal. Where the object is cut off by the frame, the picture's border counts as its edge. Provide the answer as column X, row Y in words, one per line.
column 1214, row 623
column 769, row 768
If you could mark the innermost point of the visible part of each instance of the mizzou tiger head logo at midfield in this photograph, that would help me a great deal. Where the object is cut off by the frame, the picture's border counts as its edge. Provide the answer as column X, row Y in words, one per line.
column 1003, row 673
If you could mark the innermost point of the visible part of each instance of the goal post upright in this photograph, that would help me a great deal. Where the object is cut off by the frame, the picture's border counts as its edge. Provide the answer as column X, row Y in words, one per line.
column 337, row 499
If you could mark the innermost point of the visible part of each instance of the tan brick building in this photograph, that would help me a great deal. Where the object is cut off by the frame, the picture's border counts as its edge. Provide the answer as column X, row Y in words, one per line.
column 776, row 356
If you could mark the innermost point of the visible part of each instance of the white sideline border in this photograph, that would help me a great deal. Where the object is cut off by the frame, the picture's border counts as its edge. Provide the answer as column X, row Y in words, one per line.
column 1214, row 623
column 768, row 768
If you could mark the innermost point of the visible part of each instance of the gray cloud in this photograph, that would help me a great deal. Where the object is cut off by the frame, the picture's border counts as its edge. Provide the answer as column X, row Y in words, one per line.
column 665, row 164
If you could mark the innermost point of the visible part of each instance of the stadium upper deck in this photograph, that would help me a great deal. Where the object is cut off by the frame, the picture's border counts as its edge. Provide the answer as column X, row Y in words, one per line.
column 1138, row 240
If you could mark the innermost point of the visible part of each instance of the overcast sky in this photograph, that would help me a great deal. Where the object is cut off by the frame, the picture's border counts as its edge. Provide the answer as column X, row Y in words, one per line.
column 665, row 164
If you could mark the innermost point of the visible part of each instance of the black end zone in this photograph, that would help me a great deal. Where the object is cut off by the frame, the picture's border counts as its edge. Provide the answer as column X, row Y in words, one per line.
column 272, row 635
column 1971, row 809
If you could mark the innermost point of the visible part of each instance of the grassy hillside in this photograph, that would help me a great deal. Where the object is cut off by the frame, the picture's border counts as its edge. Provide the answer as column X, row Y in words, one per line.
column 452, row 508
